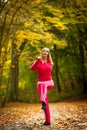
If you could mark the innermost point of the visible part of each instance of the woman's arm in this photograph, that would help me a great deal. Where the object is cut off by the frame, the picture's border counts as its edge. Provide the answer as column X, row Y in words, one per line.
column 33, row 67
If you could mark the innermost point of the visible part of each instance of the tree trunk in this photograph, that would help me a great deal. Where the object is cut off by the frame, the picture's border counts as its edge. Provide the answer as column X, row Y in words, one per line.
column 81, row 49
column 15, row 70
column 14, row 74
column 56, row 69
column 71, row 80
column 63, row 82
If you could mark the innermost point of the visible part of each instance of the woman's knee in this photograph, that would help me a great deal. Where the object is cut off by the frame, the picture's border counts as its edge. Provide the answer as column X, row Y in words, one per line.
column 49, row 87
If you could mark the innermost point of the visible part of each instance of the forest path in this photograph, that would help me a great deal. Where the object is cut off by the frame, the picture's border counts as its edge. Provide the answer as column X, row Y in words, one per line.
column 24, row 116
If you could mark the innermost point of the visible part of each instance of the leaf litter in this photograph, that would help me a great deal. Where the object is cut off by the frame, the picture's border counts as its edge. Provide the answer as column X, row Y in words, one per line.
column 25, row 116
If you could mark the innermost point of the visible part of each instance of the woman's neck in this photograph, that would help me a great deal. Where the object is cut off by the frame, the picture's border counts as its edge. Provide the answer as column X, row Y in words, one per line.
column 44, row 59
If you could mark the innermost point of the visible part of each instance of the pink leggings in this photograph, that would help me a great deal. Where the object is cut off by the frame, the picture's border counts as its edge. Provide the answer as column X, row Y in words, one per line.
column 43, row 87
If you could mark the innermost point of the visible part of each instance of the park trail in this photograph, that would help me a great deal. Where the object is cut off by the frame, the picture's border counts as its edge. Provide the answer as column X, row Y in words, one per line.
column 67, row 115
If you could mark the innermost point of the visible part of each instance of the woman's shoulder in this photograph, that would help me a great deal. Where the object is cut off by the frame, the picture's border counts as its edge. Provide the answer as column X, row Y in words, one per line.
column 38, row 59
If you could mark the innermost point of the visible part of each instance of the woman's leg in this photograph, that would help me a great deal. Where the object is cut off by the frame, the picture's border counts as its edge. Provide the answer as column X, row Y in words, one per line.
column 47, row 112
column 42, row 91
column 50, row 85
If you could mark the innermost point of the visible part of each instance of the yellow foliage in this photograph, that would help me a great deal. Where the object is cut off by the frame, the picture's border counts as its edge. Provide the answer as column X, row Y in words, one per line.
column 27, row 24
column 35, row 2
column 61, row 26
column 8, row 62
column 5, row 74
column 57, row 23
column 22, row 83
column 31, row 36
column 3, row 49
column 21, row 35
column 9, row 43
column 63, row 44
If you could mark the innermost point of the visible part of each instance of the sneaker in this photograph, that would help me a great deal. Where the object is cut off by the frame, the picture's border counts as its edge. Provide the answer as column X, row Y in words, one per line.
column 46, row 123
column 43, row 105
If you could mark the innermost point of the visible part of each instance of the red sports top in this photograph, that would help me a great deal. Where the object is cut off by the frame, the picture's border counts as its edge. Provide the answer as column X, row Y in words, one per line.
column 43, row 69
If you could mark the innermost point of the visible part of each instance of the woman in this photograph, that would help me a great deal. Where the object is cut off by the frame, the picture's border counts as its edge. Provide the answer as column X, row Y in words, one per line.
column 43, row 65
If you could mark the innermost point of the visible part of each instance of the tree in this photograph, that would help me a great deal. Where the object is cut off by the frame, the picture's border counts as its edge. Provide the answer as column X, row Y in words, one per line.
column 82, row 49
column 56, row 69
column 15, row 69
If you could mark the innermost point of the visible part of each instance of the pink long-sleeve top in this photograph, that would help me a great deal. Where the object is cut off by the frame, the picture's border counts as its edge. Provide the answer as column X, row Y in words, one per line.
column 44, row 70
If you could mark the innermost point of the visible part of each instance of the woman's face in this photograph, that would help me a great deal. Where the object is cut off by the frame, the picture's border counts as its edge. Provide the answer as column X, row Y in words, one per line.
column 45, row 53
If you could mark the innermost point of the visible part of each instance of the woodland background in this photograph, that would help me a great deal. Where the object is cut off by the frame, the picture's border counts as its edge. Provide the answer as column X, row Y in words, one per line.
column 26, row 26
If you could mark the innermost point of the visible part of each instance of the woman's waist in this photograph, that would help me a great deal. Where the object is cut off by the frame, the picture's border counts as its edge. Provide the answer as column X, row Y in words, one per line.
column 43, row 78
column 43, row 82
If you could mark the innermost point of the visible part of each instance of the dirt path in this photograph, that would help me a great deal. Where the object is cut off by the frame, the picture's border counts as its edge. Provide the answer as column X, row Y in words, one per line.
column 24, row 116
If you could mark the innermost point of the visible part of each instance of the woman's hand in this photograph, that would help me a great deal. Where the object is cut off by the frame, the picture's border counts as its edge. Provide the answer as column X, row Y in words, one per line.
column 38, row 57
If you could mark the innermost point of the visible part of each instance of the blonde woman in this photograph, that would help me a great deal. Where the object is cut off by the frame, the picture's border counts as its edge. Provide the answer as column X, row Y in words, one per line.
column 43, row 65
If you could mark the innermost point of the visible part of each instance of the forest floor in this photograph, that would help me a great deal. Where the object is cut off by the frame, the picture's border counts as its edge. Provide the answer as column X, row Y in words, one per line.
column 66, row 115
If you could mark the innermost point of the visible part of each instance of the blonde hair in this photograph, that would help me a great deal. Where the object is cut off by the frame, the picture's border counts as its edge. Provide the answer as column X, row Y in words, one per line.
column 49, row 55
